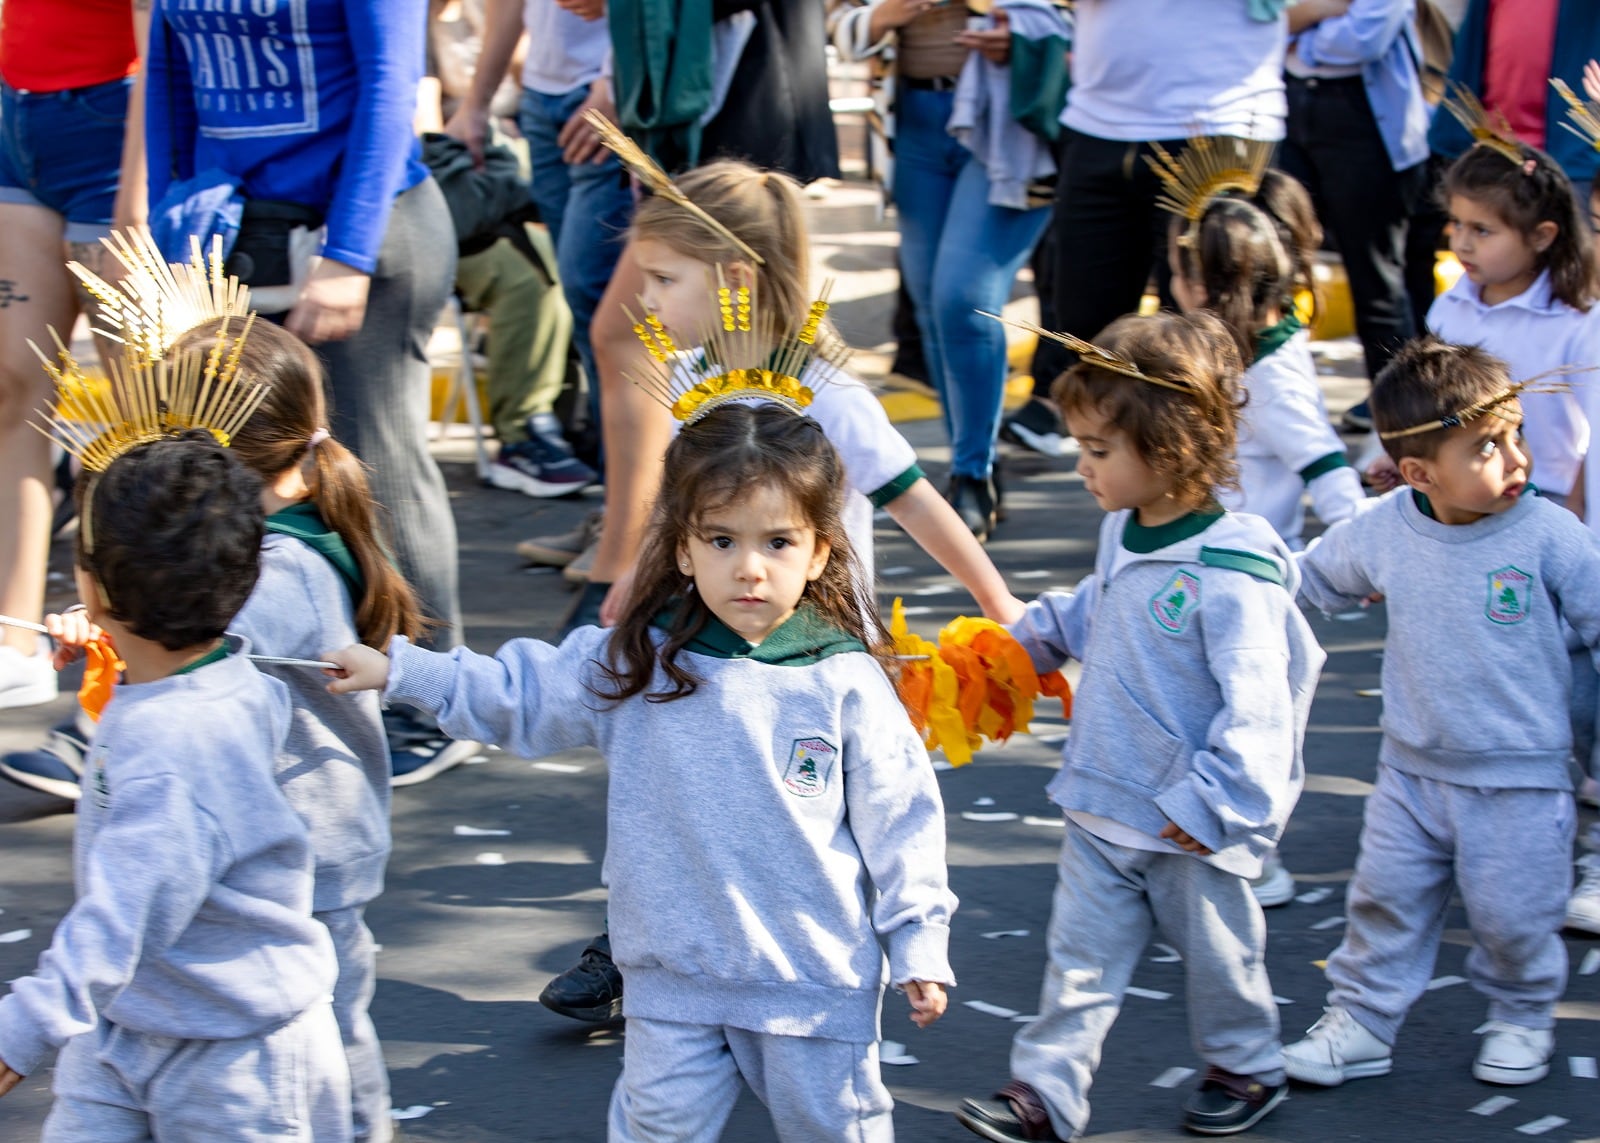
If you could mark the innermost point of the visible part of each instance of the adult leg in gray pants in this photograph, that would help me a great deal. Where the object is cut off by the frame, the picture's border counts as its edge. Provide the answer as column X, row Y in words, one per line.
column 379, row 382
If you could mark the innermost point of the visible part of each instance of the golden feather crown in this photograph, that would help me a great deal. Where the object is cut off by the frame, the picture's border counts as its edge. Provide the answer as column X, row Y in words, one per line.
column 1492, row 131
column 1546, row 382
column 747, row 354
column 1209, row 166
column 1091, row 354
column 1583, row 114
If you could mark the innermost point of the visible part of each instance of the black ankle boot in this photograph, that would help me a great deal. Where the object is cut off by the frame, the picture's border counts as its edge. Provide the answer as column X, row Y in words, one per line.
column 974, row 501
column 999, row 492
column 589, row 990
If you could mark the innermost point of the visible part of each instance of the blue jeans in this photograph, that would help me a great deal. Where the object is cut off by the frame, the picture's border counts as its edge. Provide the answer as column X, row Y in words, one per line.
column 587, row 207
column 63, row 150
column 958, row 255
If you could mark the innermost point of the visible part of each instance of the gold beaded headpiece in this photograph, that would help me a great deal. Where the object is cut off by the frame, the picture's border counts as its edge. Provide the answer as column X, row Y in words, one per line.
column 746, row 354
column 1209, row 166
column 1491, row 406
column 1584, row 114
column 1092, row 354
column 1489, row 131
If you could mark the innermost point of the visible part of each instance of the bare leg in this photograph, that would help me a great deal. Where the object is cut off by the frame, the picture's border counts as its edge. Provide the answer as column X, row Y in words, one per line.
column 35, row 292
column 637, row 431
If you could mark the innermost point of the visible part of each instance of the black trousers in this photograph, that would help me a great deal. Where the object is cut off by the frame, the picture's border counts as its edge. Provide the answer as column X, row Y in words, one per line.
column 1335, row 148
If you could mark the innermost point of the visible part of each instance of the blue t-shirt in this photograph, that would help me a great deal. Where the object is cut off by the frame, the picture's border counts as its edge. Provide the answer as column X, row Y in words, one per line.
column 305, row 101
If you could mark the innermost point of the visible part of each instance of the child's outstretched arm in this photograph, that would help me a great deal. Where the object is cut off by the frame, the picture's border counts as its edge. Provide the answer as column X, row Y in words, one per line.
column 1333, row 572
column 530, row 697
column 929, row 520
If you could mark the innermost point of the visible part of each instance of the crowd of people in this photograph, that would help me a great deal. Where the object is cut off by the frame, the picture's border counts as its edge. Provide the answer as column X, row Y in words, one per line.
column 257, row 499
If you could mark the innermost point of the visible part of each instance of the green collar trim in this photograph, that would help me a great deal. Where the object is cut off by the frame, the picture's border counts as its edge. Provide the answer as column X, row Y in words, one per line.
column 799, row 641
column 1425, row 506
column 1275, row 337
column 304, row 522
column 218, row 653
column 1141, row 540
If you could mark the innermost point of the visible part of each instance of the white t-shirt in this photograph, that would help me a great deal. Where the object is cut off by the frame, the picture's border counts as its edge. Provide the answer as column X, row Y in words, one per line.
column 564, row 51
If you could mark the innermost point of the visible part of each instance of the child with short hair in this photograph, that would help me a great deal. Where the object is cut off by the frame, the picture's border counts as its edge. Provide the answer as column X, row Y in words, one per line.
column 1184, row 760
column 744, row 711
column 189, row 982
column 1473, row 784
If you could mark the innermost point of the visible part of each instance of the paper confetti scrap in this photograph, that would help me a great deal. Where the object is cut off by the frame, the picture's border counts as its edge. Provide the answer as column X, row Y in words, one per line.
column 1280, row 1000
column 474, row 831
column 1445, row 982
column 1591, row 963
column 974, row 816
column 1169, row 955
column 916, row 611
column 1050, row 739
column 990, row 1009
column 983, row 801
column 559, row 767
column 1315, row 896
column 1034, row 574
column 1370, row 692
column 934, row 589
column 415, row 1111
column 1328, row 923
column 1025, row 1019
column 490, row 859
column 1148, row 993
column 1172, row 1077
column 998, row 933
column 1583, row 1067
column 1054, row 823
column 1493, row 1105
column 889, row 1052
column 14, row 936
column 1540, row 1126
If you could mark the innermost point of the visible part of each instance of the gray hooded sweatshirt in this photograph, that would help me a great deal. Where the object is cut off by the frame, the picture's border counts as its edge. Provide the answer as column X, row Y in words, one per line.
column 193, row 916
column 1476, row 677
column 767, row 837
column 1197, row 682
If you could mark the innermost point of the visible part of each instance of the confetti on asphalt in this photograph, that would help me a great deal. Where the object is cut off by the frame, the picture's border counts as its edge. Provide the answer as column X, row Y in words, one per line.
column 983, row 801
column 941, row 764
column 1148, row 993
column 1000, row 816
column 890, row 1052
column 1583, row 1067
column 1025, row 1019
column 1493, row 1105
column 559, row 767
column 990, row 1009
column 1323, row 963
column 474, row 831
column 916, row 611
column 1591, row 963
column 896, row 571
column 1169, row 955
column 998, row 933
column 1445, row 982
column 1051, row 739
column 1054, row 823
column 1315, row 896
column 415, row 1111
column 1280, row 1000
column 14, row 936
column 490, row 859
column 477, row 760
column 1540, row 1126
column 1351, row 616
column 1172, row 1077
column 1035, row 574
column 1328, row 923
column 935, row 589
column 1370, row 692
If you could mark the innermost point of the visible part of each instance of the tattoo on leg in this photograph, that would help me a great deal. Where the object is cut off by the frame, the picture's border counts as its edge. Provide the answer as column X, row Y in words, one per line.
column 8, row 293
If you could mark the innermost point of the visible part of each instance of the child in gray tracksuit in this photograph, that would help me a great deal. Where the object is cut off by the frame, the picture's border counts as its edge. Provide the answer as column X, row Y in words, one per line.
column 189, row 982
column 1474, row 786
column 774, row 824
column 1184, row 760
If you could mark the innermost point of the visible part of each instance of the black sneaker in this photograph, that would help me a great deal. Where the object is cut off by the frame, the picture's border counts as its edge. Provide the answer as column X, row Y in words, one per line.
column 1357, row 418
column 419, row 750
column 974, row 501
column 1015, row 1115
column 542, row 465
column 1036, row 427
column 56, row 766
column 1226, row 1104
column 591, row 989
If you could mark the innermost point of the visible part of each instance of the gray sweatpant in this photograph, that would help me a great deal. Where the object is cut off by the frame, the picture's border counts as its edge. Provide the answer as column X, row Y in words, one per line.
column 1510, row 854
column 381, row 389
column 679, row 1083
column 113, row 1085
column 352, row 996
column 1108, row 899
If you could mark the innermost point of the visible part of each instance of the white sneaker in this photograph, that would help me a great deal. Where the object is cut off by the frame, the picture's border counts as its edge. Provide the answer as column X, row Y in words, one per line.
column 1275, row 886
column 1583, row 909
column 1512, row 1054
column 1337, row 1048
column 26, row 680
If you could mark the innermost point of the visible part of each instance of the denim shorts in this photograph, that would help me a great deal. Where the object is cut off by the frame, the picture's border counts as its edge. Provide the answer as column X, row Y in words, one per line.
column 63, row 150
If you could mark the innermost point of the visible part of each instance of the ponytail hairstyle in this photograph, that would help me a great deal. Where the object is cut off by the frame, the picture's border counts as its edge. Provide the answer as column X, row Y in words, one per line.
column 766, row 209
column 1285, row 200
column 287, row 431
column 711, row 464
column 1524, row 195
column 1236, row 254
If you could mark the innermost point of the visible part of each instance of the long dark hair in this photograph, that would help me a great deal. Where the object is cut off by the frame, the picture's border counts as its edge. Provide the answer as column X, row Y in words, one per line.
column 1524, row 195
column 711, row 464
column 1237, row 255
column 275, row 439
column 1287, row 203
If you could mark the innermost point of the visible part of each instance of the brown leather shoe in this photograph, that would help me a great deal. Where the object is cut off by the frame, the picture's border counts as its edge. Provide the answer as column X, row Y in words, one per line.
column 1015, row 1115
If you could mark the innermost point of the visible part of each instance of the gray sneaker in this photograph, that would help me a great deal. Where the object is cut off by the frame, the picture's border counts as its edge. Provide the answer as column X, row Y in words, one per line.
column 559, row 551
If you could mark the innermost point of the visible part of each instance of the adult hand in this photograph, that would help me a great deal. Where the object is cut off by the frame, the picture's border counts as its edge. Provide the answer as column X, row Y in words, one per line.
column 928, row 1001
column 332, row 305
column 470, row 124
column 8, row 1078
column 584, row 9
column 993, row 44
column 578, row 141
column 361, row 668
column 1172, row 833
column 892, row 14
column 616, row 600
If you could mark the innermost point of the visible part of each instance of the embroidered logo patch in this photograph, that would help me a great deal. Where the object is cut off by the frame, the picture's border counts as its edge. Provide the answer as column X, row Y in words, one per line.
column 1509, row 591
column 810, row 764
column 1173, row 604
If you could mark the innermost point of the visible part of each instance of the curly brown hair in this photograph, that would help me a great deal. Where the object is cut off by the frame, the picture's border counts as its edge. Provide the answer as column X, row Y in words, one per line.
column 1188, row 436
column 711, row 464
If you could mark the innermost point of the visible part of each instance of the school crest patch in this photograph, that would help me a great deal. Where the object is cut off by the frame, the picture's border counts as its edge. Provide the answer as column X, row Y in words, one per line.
column 1173, row 604
column 810, row 765
column 1509, row 592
